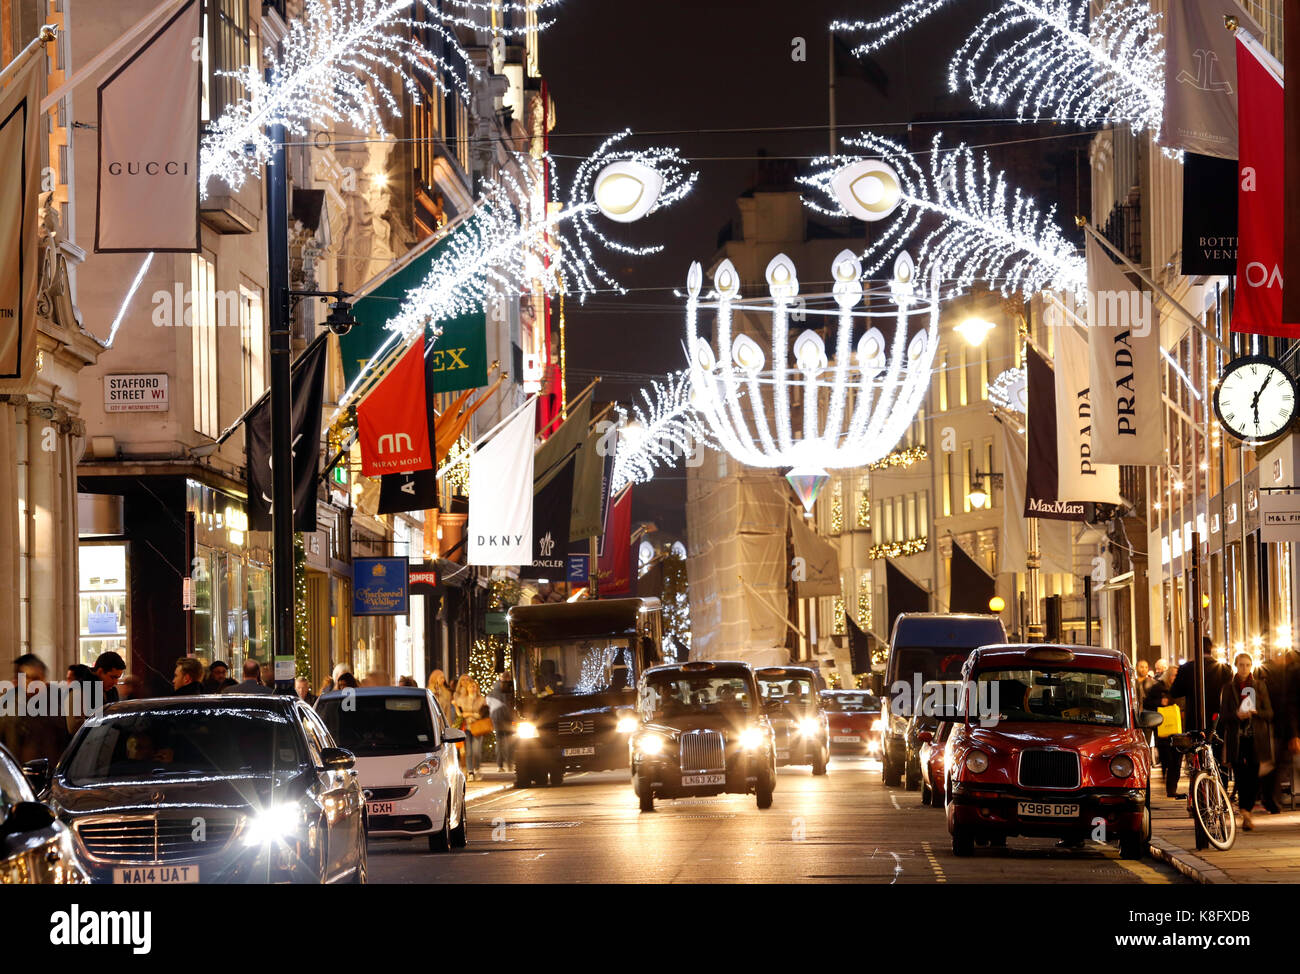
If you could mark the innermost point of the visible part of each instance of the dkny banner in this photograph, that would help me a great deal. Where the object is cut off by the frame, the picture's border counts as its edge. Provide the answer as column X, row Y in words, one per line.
column 551, row 519
column 1042, row 480
column 148, row 189
column 1209, row 215
column 1123, row 367
column 20, row 144
column 501, row 495
column 307, row 391
column 1079, row 475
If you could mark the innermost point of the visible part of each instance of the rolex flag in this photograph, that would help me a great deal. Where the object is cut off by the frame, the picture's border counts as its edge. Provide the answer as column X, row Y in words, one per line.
column 393, row 419
column 21, row 140
column 501, row 494
column 148, row 184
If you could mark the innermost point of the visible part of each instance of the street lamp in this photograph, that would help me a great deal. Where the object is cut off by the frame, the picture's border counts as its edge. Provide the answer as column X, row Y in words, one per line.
column 626, row 190
column 868, row 189
column 979, row 497
column 997, row 603
column 975, row 330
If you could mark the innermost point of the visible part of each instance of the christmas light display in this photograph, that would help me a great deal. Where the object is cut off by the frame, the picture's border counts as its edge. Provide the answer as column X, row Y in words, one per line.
column 901, row 458
column 1050, row 58
column 666, row 430
column 895, row 549
column 1010, row 390
column 333, row 67
column 985, row 230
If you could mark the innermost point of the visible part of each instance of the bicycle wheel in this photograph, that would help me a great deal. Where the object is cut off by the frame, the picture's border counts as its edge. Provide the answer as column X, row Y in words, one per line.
column 1214, row 811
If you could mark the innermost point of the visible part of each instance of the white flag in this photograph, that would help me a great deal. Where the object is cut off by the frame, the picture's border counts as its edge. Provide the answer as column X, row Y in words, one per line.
column 501, row 495
column 1123, row 365
column 1080, row 476
column 20, row 144
column 148, row 196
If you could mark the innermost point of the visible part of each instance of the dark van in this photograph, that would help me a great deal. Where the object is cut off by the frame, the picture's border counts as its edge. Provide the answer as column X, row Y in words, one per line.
column 924, row 646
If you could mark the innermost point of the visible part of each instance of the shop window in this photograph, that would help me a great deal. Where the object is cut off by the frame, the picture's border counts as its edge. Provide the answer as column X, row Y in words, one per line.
column 203, row 282
column 103, row 624
column 252, row 338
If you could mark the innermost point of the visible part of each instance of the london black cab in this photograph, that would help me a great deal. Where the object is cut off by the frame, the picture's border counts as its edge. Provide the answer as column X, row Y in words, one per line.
column 798, row 718
column 1049, row 742
column 702, row 731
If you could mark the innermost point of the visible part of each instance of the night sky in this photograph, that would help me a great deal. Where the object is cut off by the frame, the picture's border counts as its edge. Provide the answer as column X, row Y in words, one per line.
column 687, row 69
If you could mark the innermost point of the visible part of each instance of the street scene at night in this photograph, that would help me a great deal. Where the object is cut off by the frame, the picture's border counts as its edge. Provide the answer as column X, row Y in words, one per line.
column 490, row 444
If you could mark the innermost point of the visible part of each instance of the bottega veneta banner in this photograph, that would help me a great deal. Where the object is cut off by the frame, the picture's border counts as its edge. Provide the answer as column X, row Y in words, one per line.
column 20, row 145
column 1209, row 215
column 501, row 494
column 148, row 184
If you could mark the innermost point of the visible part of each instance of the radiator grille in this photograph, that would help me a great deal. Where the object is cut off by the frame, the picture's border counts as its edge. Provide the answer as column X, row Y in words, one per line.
column 1049, row 769
column 702, row 750
column 574, row 727
column 151, row 839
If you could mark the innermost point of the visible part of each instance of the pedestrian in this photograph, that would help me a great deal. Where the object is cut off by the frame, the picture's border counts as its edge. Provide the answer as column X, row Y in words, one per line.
column 109, row 667
column 252, row 672
column 302, row 687
column 267, row 671
column 442, row 693
column 1145, row 681
column 346, row 681
column 187, row 681
column 470, row 706
column 1275, row 674
column 1171, row 762
column 1216, row 675
column 131, row 687
column 407, row 681
column 83, row 697
column 1158, row 670
column 218, row 677
column 33, row 737
column 1245, row 724
column 501, row 702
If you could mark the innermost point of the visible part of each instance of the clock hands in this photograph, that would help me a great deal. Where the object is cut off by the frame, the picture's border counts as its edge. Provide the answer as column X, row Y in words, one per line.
column 1254, row 402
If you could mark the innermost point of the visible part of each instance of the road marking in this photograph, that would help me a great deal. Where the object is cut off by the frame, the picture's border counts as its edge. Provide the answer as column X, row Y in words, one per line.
column 894, row 798
column 939, row 877
column 1141, row 870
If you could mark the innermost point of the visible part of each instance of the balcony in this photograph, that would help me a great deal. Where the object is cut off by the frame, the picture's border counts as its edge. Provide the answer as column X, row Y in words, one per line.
column 1123, row 228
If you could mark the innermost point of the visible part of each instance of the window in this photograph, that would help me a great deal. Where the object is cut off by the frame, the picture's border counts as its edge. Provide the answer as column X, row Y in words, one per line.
column 923, row 512
column 203, row 321
column 886, row 522
column 963, row 399
column 988, row 469
column 943, row 379
column 968, row 459
column 252, row 338
column 947, row 485
column 899, row 524
column 227, row 47
column 911, row 517
column 984, row 371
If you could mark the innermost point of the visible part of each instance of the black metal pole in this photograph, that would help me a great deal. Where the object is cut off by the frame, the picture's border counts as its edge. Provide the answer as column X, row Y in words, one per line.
column 1087, row 609
column 1198, row 651
column 277, row 243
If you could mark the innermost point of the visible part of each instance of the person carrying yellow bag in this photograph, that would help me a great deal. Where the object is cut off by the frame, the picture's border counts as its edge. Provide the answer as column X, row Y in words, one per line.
column 1159, row 700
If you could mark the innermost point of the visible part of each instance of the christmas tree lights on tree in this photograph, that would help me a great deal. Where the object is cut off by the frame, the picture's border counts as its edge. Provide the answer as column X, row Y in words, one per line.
column 1051, row 59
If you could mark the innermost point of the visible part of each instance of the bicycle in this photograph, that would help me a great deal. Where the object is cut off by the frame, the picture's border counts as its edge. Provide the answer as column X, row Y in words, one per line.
column 1207, row 795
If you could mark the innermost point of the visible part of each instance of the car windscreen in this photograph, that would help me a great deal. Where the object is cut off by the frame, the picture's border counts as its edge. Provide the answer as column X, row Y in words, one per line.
column 184, row 742
column 1053, row 695
column 795, row 693
column 853, row 703
column 592, row 664
column 372, row 726
column 667, row 695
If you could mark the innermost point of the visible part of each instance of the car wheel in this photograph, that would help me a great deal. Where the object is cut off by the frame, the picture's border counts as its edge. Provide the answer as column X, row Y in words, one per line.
column 890, row 772
column 557, row 778
column 927, row 794
column 963, row 842
column 820, row 760
column 522, row 779
column 360, row 877
column 440, row 841
column 458, row 836
column 645, row 793
column 913, row 781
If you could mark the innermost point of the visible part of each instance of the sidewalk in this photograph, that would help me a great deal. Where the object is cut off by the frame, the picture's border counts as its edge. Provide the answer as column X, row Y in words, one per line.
column 490, row 782
column 1269, row 854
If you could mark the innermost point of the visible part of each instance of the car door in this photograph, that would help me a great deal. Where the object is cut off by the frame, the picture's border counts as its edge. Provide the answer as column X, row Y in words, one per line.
column 342, row 792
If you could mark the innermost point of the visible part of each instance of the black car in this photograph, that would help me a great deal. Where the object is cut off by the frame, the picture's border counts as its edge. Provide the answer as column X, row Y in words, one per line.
column 702, row 731
column 797, row 715
column 35, row 847
column 211, row 789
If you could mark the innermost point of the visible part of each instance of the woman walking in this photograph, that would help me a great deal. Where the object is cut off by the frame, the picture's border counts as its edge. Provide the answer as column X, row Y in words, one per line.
column 442, row 693
column 470, row 706
column 1246, row 726
column 1171, row 762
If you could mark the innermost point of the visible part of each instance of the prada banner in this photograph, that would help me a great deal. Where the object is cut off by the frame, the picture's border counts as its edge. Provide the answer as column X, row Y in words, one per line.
column 1209, row 215
column 20, row 145
column 1080, row 476
column 148, row 189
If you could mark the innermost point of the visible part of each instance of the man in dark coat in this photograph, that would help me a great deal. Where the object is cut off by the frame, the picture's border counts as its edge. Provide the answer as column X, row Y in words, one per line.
column 188, row 679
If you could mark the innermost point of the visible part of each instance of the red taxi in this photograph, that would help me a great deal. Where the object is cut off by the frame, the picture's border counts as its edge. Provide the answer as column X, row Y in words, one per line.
column 1050, row 742
column 853, row 716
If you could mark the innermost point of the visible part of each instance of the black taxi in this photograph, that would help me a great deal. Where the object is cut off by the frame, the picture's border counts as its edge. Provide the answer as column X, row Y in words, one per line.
column 703, row 730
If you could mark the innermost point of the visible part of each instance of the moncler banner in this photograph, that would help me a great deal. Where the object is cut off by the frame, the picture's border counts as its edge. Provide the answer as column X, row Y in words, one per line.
column 501, row 495
column 1209, row 215
column 393, row 419
column 1080, row 476
column 308, row 386
column 148, row 189
column 1042, row 480
column 20, row 144
column 1124, row 366
column 551, row 518
column 1201, row 77
column 1261, row 199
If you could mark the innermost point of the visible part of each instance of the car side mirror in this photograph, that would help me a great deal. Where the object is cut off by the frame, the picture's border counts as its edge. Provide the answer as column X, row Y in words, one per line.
column 28, row 817
column 37, row 773
column 337, row 759
column 453, row 735
column 1149, row 719
column 925, row 737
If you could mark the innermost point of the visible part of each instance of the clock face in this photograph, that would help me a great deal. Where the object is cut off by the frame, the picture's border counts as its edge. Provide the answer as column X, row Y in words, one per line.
column 1255, row 399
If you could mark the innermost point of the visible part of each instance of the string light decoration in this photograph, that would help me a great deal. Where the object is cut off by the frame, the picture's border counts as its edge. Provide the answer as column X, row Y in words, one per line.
column 896, row 549
column 837, row 507
column 1010, row 390
column 985, row 230
column 901, row 458
column 301, row 637
column 864, row 601
column 666, row 430
column 1052, row 59
column 483, row 660
column 333, row 67
column 864, row 508
column 840, row 626
column 746, row 405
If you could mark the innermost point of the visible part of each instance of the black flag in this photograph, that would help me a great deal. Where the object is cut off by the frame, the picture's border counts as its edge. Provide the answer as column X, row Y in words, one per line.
column 307, row 392
column 859, row 647
column 972, row 587
column 1209, row 215
column 552, row 508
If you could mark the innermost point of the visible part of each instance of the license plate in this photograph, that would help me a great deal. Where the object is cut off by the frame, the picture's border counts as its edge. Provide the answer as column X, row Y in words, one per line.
column 579, row 752
column 1047, row 810
column 155, row 875
column 379, row 808
column 704, row 779
column 846, row 739
column 782, row 754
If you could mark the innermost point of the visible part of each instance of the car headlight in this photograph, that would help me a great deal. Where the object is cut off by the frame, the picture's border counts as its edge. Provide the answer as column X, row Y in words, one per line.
column 650, row 744
column 751, row 738
column 279, row 823
column 1121, row 766
column 977, row 762
column 878, row 725
column 626, row 725
column 424, row 769
column 526, row 729
column 810, row 727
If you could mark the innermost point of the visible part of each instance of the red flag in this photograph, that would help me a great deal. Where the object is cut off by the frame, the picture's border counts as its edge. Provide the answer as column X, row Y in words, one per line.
column 393, row 419
column 614, row 567
column 1261, row 197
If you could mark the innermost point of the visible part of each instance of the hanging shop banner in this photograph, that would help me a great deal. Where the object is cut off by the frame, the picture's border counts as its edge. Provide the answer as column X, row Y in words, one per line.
column 501, row 495
column 576, row 570
column 21, row 141
column 1291, row 135
column 1261, row 200
column 307, row 391
column 1014, row 542
column 148, row 188
column 380, row 587
column 1079, row 474
column 614, row 566
column 393, row 419
column 817, row 561
column 551, row 518
column 859, row 646
column 1200, row 111
column 1042, row 480
column 1123, row 366
column 1209, row 215
column 971, row 588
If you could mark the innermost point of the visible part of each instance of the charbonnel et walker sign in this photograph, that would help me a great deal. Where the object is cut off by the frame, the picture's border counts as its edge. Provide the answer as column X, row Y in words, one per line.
column 379, row 587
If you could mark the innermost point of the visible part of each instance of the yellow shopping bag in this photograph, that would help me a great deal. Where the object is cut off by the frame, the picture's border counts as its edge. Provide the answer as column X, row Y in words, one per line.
column 1173, row 720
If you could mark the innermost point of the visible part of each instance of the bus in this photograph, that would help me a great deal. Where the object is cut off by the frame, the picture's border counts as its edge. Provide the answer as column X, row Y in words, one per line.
column 575, row 668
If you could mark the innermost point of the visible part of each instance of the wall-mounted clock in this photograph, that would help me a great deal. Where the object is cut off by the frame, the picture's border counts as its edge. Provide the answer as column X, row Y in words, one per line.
column 1256, row 398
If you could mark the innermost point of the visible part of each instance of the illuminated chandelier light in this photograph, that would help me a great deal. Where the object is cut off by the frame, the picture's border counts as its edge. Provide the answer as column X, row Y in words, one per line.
column 666, row 430
column 854, row 411
column 985, row 230
column 1050, row 58
column 333, row 67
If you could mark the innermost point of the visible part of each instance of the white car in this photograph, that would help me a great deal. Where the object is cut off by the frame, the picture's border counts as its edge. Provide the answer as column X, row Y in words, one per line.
column 407, row 761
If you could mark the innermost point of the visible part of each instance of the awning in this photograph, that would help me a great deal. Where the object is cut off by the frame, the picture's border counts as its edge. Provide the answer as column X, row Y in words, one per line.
column 818, row 561
column 972, row 587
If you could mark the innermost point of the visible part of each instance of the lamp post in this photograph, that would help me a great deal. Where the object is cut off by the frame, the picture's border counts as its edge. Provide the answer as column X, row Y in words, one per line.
column 979, row 497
